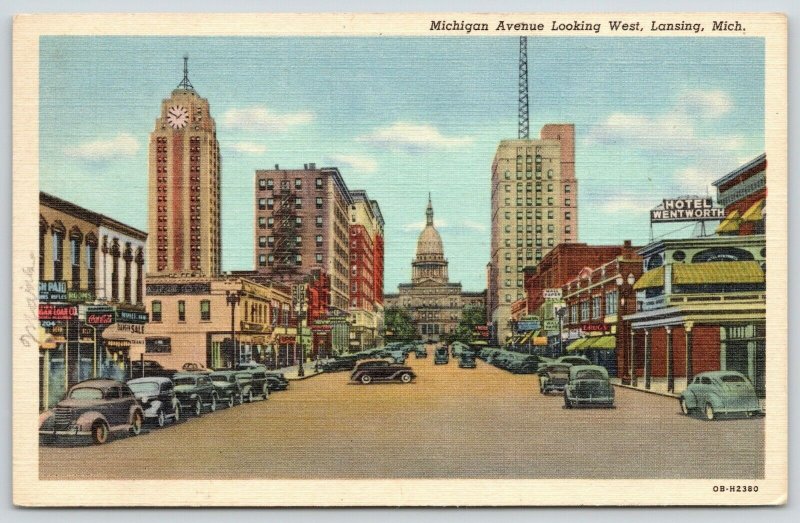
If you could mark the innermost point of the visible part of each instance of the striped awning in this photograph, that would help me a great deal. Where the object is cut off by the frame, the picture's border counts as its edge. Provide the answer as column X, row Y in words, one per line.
column 577, row 344
column 730, row 223
column 717, row 272
column 606, row 342
column 652, row 278
column 755, row 213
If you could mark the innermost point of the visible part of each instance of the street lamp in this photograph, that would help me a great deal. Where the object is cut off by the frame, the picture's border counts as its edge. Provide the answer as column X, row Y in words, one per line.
column 625, row 289
column 233, row 299
column 561, row 312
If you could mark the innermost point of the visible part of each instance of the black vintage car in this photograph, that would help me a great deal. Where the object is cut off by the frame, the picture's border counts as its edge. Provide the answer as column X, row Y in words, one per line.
column 277, row 381
column 93, row 408
column 149, row 369
column 157, row 396
column 194, row 391
column 440, row 356
column 553, row 377
column 370, row 371
column 338, row 363
column 253, row 383
column 229, row 388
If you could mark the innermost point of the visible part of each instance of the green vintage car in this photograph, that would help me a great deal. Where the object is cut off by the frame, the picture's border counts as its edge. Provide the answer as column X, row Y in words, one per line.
column 720, row 392
column 588, row 387
column 228, row 387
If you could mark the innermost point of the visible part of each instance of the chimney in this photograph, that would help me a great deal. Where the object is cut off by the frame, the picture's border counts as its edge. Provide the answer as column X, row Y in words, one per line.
column 305, row 166
column 312, row 166
column 277, row 167
column 626, row 243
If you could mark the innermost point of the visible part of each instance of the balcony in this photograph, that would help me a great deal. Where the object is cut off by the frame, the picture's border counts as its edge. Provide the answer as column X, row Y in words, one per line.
column 675, row 300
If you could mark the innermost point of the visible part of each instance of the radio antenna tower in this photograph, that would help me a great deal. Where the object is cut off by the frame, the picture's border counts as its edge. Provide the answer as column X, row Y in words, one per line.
column 185, row 83
column 523, row 88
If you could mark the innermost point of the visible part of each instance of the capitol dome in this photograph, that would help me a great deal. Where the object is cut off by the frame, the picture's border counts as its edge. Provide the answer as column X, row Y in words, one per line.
column 429, row 244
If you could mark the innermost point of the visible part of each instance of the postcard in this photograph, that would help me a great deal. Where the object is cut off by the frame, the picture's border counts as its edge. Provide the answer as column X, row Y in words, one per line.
column 400, row 259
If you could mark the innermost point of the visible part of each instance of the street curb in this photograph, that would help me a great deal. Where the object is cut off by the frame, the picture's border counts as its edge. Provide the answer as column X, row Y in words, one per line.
column 298, row 378
column 657, row 393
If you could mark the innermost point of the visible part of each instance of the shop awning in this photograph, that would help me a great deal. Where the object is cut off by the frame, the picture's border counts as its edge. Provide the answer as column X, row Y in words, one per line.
column 121, row 333
column 652, row 278
column 577, row 344
column 755, row 213
column 525, row 337
column 601, row 342
column 730, row 223
column 540, row 341
column 717, row 272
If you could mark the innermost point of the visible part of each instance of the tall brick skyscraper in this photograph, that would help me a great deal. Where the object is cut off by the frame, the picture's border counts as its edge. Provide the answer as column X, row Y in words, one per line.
column 534, row 208
column 184, row 187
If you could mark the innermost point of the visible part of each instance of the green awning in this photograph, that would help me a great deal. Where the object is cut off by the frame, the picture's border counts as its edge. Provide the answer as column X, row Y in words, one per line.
column 607, row 342
column 652, row 278
column 577, row 344
column 717, row 272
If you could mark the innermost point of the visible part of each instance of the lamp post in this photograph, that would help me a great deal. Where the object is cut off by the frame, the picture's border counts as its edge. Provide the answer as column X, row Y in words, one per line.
column 625, row 294
column 560, row 312
column 233, row 298
column 301, row 299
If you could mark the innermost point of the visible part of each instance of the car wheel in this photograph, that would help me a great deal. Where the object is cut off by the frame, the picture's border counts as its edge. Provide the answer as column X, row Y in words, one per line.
column 161, row 419
column 685, row 407
column 213, row 407
column 230, row 401
column 177, row 417
column 99, row 432
column 709, row 411
column 405, row 377
column 198, row 407
column 136, row 424
column 366, row 379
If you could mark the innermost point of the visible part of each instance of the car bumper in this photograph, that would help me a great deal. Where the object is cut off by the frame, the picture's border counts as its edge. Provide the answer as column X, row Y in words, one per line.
column 74, row 431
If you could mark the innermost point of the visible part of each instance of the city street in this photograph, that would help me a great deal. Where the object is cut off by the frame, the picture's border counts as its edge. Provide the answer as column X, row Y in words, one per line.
column 449, row 423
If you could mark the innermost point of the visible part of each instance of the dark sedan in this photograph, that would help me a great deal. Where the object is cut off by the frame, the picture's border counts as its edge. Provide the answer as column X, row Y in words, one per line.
column 157, row 396
column 381, row 370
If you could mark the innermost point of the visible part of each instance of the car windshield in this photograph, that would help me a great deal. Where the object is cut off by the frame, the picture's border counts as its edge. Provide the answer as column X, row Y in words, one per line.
column 732, row 379
column 85, row 393
column 589, row 375
column 185, row 381
column 144, row 387
column 219, row 377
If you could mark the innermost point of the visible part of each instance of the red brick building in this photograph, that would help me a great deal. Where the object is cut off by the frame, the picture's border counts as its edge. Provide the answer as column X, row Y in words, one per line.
column 743, row 192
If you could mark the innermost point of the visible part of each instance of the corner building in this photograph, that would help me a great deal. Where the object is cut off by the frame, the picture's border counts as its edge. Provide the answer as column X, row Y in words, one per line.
column 184, row 187
column 534, row 208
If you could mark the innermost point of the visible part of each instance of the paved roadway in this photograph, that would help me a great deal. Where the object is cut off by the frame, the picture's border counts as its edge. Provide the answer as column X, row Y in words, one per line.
column 451, row 422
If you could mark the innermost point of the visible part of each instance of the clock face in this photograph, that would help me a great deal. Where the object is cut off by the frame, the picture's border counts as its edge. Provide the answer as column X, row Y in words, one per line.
column 177, row 117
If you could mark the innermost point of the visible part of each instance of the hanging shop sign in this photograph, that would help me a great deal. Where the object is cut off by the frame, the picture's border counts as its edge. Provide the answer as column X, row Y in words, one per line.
column 80, row 296
column 99, row 315
column 552, row 294
column 52, row 291
column 57, row 312
column 132, row 316
column 550, row 325
column 686, row 210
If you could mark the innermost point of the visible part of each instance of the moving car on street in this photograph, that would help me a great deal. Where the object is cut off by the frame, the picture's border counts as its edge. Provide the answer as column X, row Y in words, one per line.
column 381, row 370
column 588, row 386
column 195, row 391
column 466, row 361
column 94, row 408
column 440, row 356
column 553, row 377
column 157, row 396
column 720, row 392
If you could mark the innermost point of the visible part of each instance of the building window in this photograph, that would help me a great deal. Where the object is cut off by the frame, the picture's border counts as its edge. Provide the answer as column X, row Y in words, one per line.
column 573, row 313
column 508, row 268
column 508, row 298
column 270, row 241
column 270, row 222
column 567, row 188
column 298, row 203
column 58, row 255
column 567, row 215
column 319, row 257
column 205, row 310
column 585, row 310
column 550, row 242
column 262, row 260
column 550, row 201
column 508, row 175
column 319, row 203
column 262, row 203
column 181, row 310
column 298, row 259
column 262, row 184
column 298, row 221
column 319, row 183
column 262, row 223
column 128, row 257
column 155, row 308
column 550, row 228
column 567, row 202
column 298, row 183
column 75, row 258
column 139, row 277
column 549, row 187
column 91, row 251
column 270, row 203
column 319, row 221
column 595, row 307
column 551, row 215
column 550, row 174
column 568, row 229
column 270, row 183
column 611, row 302
column 298, row 240
column 319, row 239
column 262, row 241
column 115, row 272
column 270, row 259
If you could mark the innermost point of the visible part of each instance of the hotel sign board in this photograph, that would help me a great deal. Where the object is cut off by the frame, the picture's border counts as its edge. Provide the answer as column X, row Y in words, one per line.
column 686, row 210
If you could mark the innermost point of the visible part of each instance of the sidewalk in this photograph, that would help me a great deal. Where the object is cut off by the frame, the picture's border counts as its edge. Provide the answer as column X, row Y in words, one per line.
column 291, row 372
column 657, row 386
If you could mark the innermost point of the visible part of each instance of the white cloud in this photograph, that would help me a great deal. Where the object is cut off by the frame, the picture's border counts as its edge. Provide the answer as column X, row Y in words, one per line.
column 709, row 104
column 123, row 144
column 411, row 137
column 355, row 162
column 249, row 147
column 260, row 118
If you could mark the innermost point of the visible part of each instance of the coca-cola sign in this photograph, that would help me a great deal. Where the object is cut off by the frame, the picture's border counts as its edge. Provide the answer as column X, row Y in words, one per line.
column 100, row 319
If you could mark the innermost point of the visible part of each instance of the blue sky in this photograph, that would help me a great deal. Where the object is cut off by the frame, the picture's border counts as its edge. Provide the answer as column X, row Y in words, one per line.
column 654, row 118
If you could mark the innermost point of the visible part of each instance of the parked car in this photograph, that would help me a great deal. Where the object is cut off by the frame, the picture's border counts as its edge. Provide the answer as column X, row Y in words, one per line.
column 526, row 364
column 571, row 360
column 588, row 386
column 150, row 368
column 195, row 367
column 553, row 377
column 720, row 392
column 94, row 408
column 440, row 356
column 228, row 387
column 338, row 363
column 157, row 396
column 420, row 352
column 277, row 381
column 398, row 356
column 381, row 370
column 466, row 362
column 195, row 391
column 254, row 384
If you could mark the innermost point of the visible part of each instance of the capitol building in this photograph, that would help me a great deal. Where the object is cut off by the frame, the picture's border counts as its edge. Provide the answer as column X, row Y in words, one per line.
column 433, row 301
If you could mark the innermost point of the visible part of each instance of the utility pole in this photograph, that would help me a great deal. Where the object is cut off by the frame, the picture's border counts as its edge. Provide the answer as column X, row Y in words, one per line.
column 523, row 127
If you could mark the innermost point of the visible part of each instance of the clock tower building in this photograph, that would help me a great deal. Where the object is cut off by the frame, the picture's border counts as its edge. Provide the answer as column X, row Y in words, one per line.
column 184, row 187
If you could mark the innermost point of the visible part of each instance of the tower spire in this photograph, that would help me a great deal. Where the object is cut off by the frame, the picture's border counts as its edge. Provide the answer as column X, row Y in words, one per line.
column 185, row 83
column 429, row 211
column 522, row 130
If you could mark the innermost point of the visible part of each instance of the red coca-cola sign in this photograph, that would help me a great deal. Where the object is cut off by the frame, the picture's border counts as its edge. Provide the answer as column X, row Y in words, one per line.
column 100, row 319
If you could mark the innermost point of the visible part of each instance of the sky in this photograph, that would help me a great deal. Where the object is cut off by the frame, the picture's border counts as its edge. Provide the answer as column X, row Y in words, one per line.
column 401, row 117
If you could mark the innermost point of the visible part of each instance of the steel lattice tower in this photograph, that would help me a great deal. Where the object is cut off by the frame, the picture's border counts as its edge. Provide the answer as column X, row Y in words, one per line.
column 523, row 130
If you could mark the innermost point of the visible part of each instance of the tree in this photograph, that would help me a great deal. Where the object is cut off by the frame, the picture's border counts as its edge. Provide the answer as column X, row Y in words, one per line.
column 399, row 324
column 471, row 317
